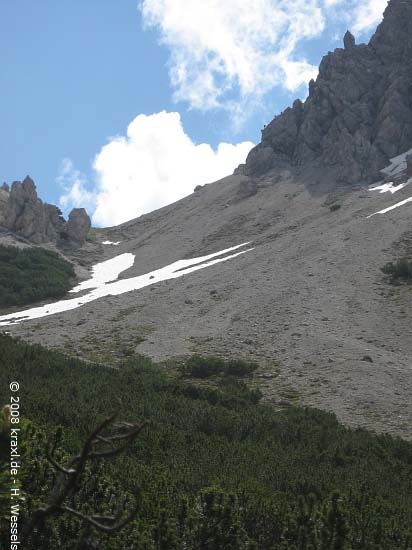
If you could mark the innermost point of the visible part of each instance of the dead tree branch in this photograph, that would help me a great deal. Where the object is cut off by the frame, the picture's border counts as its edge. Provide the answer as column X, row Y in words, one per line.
column 107, row 439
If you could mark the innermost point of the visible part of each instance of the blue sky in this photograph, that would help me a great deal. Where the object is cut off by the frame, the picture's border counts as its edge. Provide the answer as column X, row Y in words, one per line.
column 75, row 75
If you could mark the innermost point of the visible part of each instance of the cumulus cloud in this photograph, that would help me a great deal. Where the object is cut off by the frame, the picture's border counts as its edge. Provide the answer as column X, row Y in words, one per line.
column 73, row 182
column 223, row 54
column 368, row 14
column 220, row 47
column 154, row 164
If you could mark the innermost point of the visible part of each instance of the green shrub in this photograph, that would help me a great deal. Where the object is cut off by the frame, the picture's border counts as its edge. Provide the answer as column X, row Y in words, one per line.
column 240, row 368
column 335, row 207
column 212, row 469
column 92, row 235
column 28, row 275
column 401, row 269
column 204, row 367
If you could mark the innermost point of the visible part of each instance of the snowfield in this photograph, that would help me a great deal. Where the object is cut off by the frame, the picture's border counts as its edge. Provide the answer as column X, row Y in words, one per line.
column 104, row 282
column 397, row 166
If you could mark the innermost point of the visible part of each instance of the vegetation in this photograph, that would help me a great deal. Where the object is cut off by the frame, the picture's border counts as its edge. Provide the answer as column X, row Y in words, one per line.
column 92, row 235
column 401, row 269
column 204, row 367
column 28, row 275
column 212, row 469
column 108, row 439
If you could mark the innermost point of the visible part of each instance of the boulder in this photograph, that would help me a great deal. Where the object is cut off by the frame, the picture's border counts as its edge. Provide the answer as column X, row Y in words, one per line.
column 247, row 188
column 78, row 225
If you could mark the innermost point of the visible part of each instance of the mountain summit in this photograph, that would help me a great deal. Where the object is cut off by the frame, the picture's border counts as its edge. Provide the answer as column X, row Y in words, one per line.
column 358, row 113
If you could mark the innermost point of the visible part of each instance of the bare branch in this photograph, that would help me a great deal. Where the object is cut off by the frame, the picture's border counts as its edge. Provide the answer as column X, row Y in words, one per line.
column 95, row 521
column 120, row 436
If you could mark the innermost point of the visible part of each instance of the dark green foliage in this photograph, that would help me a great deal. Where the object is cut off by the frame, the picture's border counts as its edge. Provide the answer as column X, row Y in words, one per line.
column 401, row 269
column 4, row 463
column 204, row 367
column 335, row 207
column 213, row 469
column 28, row 275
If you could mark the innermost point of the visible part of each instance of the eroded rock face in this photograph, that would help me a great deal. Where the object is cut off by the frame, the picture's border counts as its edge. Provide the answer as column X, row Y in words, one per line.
column 348, row 40
column 359, row 110
column 78, row 225
column 4, row 197
column 23, row 213
column 409, row 166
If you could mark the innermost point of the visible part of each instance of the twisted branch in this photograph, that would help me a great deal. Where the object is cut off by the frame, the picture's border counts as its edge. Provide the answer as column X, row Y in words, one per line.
column 114, row 438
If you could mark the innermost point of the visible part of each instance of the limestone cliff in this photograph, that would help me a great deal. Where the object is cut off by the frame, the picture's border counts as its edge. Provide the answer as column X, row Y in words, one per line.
column 358, row 113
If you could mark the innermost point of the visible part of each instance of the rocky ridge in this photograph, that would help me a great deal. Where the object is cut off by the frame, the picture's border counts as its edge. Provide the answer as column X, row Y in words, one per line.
column 24, row 214
column 358, row 113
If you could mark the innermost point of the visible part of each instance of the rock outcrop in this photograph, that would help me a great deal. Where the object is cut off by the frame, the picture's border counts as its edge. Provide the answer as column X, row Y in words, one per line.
column 23, row 213
column 78, row 225
column 358, row 113
column 4, row 196
column 409, row 166
column 348, row 40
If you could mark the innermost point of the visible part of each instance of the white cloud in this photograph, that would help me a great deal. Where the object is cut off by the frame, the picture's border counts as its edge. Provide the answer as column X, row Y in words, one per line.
column 330, row 3
column 223, row 48
column 368, row 14
column 222, row 54
column 230, row 53
column 155, row 164
column 73, row 182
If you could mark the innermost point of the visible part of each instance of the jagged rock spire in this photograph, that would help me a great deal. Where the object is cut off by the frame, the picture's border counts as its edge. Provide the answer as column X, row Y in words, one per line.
column 358, row 113
column 23, row 213
column 348, row 40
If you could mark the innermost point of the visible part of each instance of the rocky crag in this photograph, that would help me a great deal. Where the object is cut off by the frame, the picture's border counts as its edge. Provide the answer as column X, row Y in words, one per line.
column 358, row 113
column 24, row 214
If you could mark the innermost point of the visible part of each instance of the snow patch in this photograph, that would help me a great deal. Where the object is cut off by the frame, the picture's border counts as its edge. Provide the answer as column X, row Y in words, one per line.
column 397, row 165
column 397, row 205
column 390, row 187
column 101, row 287
column 106, row 272
column 111, row 242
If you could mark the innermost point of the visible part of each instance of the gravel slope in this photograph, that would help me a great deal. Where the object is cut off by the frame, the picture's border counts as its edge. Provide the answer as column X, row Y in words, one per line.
column 309, row 302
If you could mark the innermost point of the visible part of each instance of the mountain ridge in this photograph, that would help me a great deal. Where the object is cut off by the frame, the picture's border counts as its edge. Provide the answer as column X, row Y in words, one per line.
column 358, row 113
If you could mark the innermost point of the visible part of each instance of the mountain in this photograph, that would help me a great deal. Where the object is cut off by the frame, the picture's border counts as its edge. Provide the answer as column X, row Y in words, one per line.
column 321, row 205
column 358, row 113
column 24, row 215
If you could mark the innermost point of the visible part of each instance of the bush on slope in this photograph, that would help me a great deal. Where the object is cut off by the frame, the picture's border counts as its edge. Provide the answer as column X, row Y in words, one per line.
column 28, row 275
column 212, row 469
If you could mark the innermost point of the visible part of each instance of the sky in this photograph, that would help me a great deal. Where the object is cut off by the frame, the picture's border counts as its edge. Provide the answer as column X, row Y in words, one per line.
column 125, row 106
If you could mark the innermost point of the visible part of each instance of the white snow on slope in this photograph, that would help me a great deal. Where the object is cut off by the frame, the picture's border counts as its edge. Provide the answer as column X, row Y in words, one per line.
column 397, row 165
column 389, row 187
column 172, row 271
column 111, row 242
column 106, row 272
column 397, row 205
